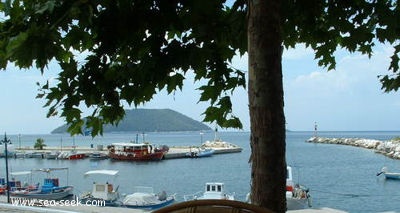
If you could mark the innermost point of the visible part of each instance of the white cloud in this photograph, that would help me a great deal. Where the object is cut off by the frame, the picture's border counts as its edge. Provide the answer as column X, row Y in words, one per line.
column 299, row 52
column 348, row 98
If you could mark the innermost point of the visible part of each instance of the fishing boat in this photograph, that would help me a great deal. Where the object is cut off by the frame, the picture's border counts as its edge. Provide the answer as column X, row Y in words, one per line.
column 26, row 177
column 145, row 198
column 135, row 152
column 52, row 155
column 199, row 152
column 19, row 154
column 297, row 196
column 35, row 155
column 3, row 186
column 389, row 175
column 98, row 156
column 50, row 190
column 212, row 190
column 72, row 155
column 102, row 191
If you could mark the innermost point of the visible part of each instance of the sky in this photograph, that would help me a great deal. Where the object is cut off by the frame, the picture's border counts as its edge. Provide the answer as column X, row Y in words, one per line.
column 348, row 98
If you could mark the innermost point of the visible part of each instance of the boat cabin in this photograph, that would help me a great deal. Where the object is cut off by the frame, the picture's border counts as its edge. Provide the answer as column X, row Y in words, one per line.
column 289, row 179
column 214, row 191
column 136, row 148
column 104, row 191
column 49, row 184
column 101, row 190
column 131, row 147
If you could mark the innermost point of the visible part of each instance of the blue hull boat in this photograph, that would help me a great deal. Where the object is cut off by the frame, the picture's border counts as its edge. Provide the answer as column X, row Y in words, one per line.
column 200, row 153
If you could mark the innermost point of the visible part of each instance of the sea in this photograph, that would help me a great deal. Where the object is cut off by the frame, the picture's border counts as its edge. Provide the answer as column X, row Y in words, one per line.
column 338, row 176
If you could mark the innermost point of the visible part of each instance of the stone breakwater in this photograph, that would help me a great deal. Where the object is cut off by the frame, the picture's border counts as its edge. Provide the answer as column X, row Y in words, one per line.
column 390, row 148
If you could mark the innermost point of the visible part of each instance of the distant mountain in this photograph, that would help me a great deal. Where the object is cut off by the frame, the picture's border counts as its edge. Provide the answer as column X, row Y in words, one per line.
column 151, row 120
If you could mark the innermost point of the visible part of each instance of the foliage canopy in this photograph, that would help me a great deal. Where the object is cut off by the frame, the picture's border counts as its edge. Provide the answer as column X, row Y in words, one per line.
column 134, row 49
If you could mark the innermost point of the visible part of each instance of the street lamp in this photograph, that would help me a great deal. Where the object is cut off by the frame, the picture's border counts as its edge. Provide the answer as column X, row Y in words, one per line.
column 6, row 142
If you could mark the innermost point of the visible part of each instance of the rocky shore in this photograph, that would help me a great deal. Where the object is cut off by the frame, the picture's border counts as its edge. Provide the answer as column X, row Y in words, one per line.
column 390, row 148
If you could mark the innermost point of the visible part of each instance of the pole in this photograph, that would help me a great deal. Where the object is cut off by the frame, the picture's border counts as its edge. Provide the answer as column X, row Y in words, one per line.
column 6, row 142
column 315, row 129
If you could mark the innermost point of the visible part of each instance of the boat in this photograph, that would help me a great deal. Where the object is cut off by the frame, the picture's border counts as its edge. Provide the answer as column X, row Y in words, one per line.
column 145, row 198
column 52, row 155
column 199, row 152
column 135, row 152
column 102, row 191
column 19, row 154
column 212, row 190
column 98, row 156
column 389, row 175
column 297, row 196
column 72, row 155
column 3, row 186
column 35, row 155
column 50, row 190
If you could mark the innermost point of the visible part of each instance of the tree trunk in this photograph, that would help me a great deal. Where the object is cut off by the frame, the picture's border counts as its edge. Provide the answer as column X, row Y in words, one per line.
column 268, row 176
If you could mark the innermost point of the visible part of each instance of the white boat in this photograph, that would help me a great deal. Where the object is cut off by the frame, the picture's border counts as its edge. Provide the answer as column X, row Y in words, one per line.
column 199, row 152
column 52, row 155
column 389, row 175
column 102, row 191
column 212, row 190
column 145, row 198
column 98, row 156
column 297, row 196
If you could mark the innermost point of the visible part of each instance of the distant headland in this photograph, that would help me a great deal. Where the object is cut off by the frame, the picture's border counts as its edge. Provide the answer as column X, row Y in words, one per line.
column 151, row 120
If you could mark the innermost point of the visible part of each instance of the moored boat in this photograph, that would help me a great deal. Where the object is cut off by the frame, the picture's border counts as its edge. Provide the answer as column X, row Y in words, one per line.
column 389, row 175
column 135, row 152
column 50, row 190
column 52, row 155
column 98, row 156
column 198, row 152
column 145, row 198
column 3, row 186
column 102, row 191
column 297, row 196
column 212, row 190
column 72, row 155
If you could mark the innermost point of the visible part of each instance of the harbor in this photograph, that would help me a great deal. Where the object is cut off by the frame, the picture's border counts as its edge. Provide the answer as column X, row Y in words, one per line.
column 314, row 166
column 174, row 152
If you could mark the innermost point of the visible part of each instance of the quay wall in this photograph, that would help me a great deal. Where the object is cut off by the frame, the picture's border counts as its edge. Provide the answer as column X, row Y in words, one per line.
column 390, row 148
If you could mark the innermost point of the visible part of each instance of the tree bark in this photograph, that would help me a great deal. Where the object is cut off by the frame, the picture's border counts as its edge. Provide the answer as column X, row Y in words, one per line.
column 267, row 119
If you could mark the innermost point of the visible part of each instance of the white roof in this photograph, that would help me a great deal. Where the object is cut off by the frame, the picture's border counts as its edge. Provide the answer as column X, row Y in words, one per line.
column 21, row 173
column 102, row 172
column 48, row 169
column 129, row 144
column 214, row 183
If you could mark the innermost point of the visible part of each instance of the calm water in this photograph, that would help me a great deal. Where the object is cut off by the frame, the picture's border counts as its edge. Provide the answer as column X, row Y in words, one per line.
column 340, row 177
